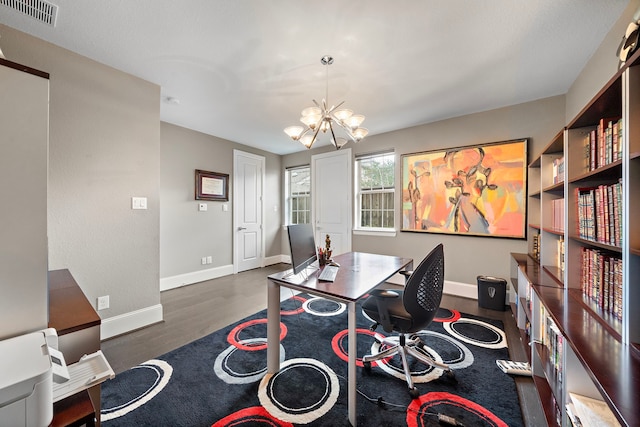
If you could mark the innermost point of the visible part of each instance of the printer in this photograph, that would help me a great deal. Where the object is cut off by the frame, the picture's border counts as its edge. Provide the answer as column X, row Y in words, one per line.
column 28, row 368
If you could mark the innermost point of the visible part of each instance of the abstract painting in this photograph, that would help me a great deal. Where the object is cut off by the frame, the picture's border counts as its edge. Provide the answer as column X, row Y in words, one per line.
column 478, row 190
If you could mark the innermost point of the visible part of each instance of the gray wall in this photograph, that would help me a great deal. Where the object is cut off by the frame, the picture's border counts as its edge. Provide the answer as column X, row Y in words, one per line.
column 186, row 234
column 104, row 148
column 601, row 67
column 24, row 135
column 466, row 257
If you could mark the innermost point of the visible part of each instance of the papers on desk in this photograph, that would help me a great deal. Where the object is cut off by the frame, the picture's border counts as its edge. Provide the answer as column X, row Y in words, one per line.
column 591, row 412
column 92, row 369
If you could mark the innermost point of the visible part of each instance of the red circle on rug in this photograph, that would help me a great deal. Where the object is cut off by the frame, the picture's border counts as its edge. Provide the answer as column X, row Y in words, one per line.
column 426, row 401
column 234, row 340
column 297, row 310
column 339, row 350
column 250, row 416
column 454, row 316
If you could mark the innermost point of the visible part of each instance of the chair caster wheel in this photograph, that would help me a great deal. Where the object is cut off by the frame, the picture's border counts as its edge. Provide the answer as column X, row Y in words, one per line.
column 414, row 393
column 367, row 366
column 451, row 376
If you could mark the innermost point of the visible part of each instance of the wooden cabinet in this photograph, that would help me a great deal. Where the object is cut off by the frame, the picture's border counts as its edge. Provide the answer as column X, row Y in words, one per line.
column 78, row 328
column 579, row 286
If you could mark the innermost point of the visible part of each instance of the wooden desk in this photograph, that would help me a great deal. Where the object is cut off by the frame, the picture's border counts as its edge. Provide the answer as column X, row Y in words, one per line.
column 78, row 327
column 359, row 273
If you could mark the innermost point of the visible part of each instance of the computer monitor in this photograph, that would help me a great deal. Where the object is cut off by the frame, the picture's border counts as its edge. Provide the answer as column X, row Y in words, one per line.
column 302, row 245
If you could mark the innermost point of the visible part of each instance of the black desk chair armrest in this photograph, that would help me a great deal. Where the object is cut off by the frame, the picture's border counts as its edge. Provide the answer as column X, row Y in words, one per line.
column 383, row 298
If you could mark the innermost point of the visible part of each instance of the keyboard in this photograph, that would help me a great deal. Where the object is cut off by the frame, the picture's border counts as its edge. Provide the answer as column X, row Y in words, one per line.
column 328, row 274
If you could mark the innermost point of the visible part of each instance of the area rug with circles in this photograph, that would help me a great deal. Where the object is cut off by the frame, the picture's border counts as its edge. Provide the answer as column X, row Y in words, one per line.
column 219, row 380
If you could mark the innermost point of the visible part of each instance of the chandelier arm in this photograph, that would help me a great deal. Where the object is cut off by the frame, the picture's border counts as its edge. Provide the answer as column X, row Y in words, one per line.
column 305, row 131
column 315, row 134
column 333, row 135
column 347, row 129
column 332, row 109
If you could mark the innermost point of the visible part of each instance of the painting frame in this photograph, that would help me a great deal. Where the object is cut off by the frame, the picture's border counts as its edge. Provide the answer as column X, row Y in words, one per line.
column 474, row 190
column 213, row 186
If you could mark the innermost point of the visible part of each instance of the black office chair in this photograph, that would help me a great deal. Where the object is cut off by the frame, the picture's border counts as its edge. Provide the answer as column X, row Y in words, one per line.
column 407, row 312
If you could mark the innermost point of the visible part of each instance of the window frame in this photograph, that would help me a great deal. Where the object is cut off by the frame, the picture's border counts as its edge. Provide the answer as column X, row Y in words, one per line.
column 289, row 196
column 377, row 231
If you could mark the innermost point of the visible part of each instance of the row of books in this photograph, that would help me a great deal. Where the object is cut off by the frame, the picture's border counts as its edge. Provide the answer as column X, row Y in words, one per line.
column 601, row 280
column 553, row 340
column 557, row 214
column 603, row 145
column 558, row 170
column 600, row 213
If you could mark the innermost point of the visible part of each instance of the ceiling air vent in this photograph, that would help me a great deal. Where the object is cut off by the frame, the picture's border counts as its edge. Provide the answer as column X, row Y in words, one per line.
column 40, row 10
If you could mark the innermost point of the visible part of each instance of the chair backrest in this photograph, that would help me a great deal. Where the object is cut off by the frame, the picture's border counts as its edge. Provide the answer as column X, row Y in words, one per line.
column 423, row 289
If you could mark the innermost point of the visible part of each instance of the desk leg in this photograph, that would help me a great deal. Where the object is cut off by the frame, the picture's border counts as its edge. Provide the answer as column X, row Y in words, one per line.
column 353, row 349
column 273, row 327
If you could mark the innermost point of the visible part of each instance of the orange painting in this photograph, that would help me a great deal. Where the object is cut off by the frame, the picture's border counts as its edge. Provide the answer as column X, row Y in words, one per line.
column 477, row 190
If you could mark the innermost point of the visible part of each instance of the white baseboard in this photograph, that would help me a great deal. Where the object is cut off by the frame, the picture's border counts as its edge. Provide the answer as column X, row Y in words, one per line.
column 277, row 259
column 130, row 321
column 173, row 282
column 464, row 290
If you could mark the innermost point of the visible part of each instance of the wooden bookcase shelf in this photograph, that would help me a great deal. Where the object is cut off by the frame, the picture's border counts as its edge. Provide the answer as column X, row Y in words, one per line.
column 577, row 290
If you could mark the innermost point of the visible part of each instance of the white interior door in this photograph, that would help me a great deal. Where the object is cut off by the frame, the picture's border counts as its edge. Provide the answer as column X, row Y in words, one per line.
column 331, row 191
column 248, row 181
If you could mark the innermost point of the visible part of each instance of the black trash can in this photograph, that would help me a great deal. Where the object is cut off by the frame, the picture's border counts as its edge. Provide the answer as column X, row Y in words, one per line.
column 492, row 293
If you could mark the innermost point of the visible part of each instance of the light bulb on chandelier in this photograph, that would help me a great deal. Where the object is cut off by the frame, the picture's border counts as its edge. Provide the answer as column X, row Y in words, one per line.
column 323, row 118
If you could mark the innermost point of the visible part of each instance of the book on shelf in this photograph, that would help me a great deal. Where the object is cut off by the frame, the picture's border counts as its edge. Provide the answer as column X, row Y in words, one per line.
column 557, row 214
column 601, row 280
column 557, row 170
column 555, row 347
column 600, row 213
column 603, row 145
column 535, row 251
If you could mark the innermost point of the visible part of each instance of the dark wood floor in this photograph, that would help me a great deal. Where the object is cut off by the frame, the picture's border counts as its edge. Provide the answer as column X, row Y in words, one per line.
column 194, row 311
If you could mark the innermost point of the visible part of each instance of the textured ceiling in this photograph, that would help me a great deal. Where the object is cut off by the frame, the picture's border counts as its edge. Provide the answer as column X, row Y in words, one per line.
column 244, row 69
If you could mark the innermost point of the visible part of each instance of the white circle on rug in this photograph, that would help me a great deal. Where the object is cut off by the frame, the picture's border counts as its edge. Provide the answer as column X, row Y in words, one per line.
column 229, row 376
column 306, row 414
column 466, row 356
column 499, row 342
column 340, row 307
column 163, row 371
column 423, row 376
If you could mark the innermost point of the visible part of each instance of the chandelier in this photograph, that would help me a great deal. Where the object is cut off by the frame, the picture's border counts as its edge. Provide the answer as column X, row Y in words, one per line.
column 324, row 118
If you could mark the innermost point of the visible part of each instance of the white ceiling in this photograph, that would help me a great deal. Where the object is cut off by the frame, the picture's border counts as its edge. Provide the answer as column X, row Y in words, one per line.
column 244, row 69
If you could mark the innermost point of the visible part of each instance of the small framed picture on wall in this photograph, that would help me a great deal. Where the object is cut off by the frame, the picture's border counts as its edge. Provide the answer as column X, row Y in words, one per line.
column 212, row 186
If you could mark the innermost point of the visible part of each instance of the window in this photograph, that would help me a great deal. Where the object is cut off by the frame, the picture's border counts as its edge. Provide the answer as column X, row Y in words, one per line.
column 375, row 186
column 299, row 195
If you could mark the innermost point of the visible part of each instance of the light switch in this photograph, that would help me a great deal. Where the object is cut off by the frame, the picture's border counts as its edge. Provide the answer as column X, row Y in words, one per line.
column 138, row 203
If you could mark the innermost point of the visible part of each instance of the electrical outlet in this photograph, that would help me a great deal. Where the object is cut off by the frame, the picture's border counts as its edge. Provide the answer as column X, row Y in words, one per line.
column 209, row 259
column 103, row 302
column 203, row 260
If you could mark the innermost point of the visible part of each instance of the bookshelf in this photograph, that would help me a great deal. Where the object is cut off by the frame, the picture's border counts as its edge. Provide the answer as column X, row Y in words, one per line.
column 577, row 301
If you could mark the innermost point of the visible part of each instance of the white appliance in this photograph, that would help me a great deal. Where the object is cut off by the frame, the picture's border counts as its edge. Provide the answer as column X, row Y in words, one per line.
column 26, row 381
